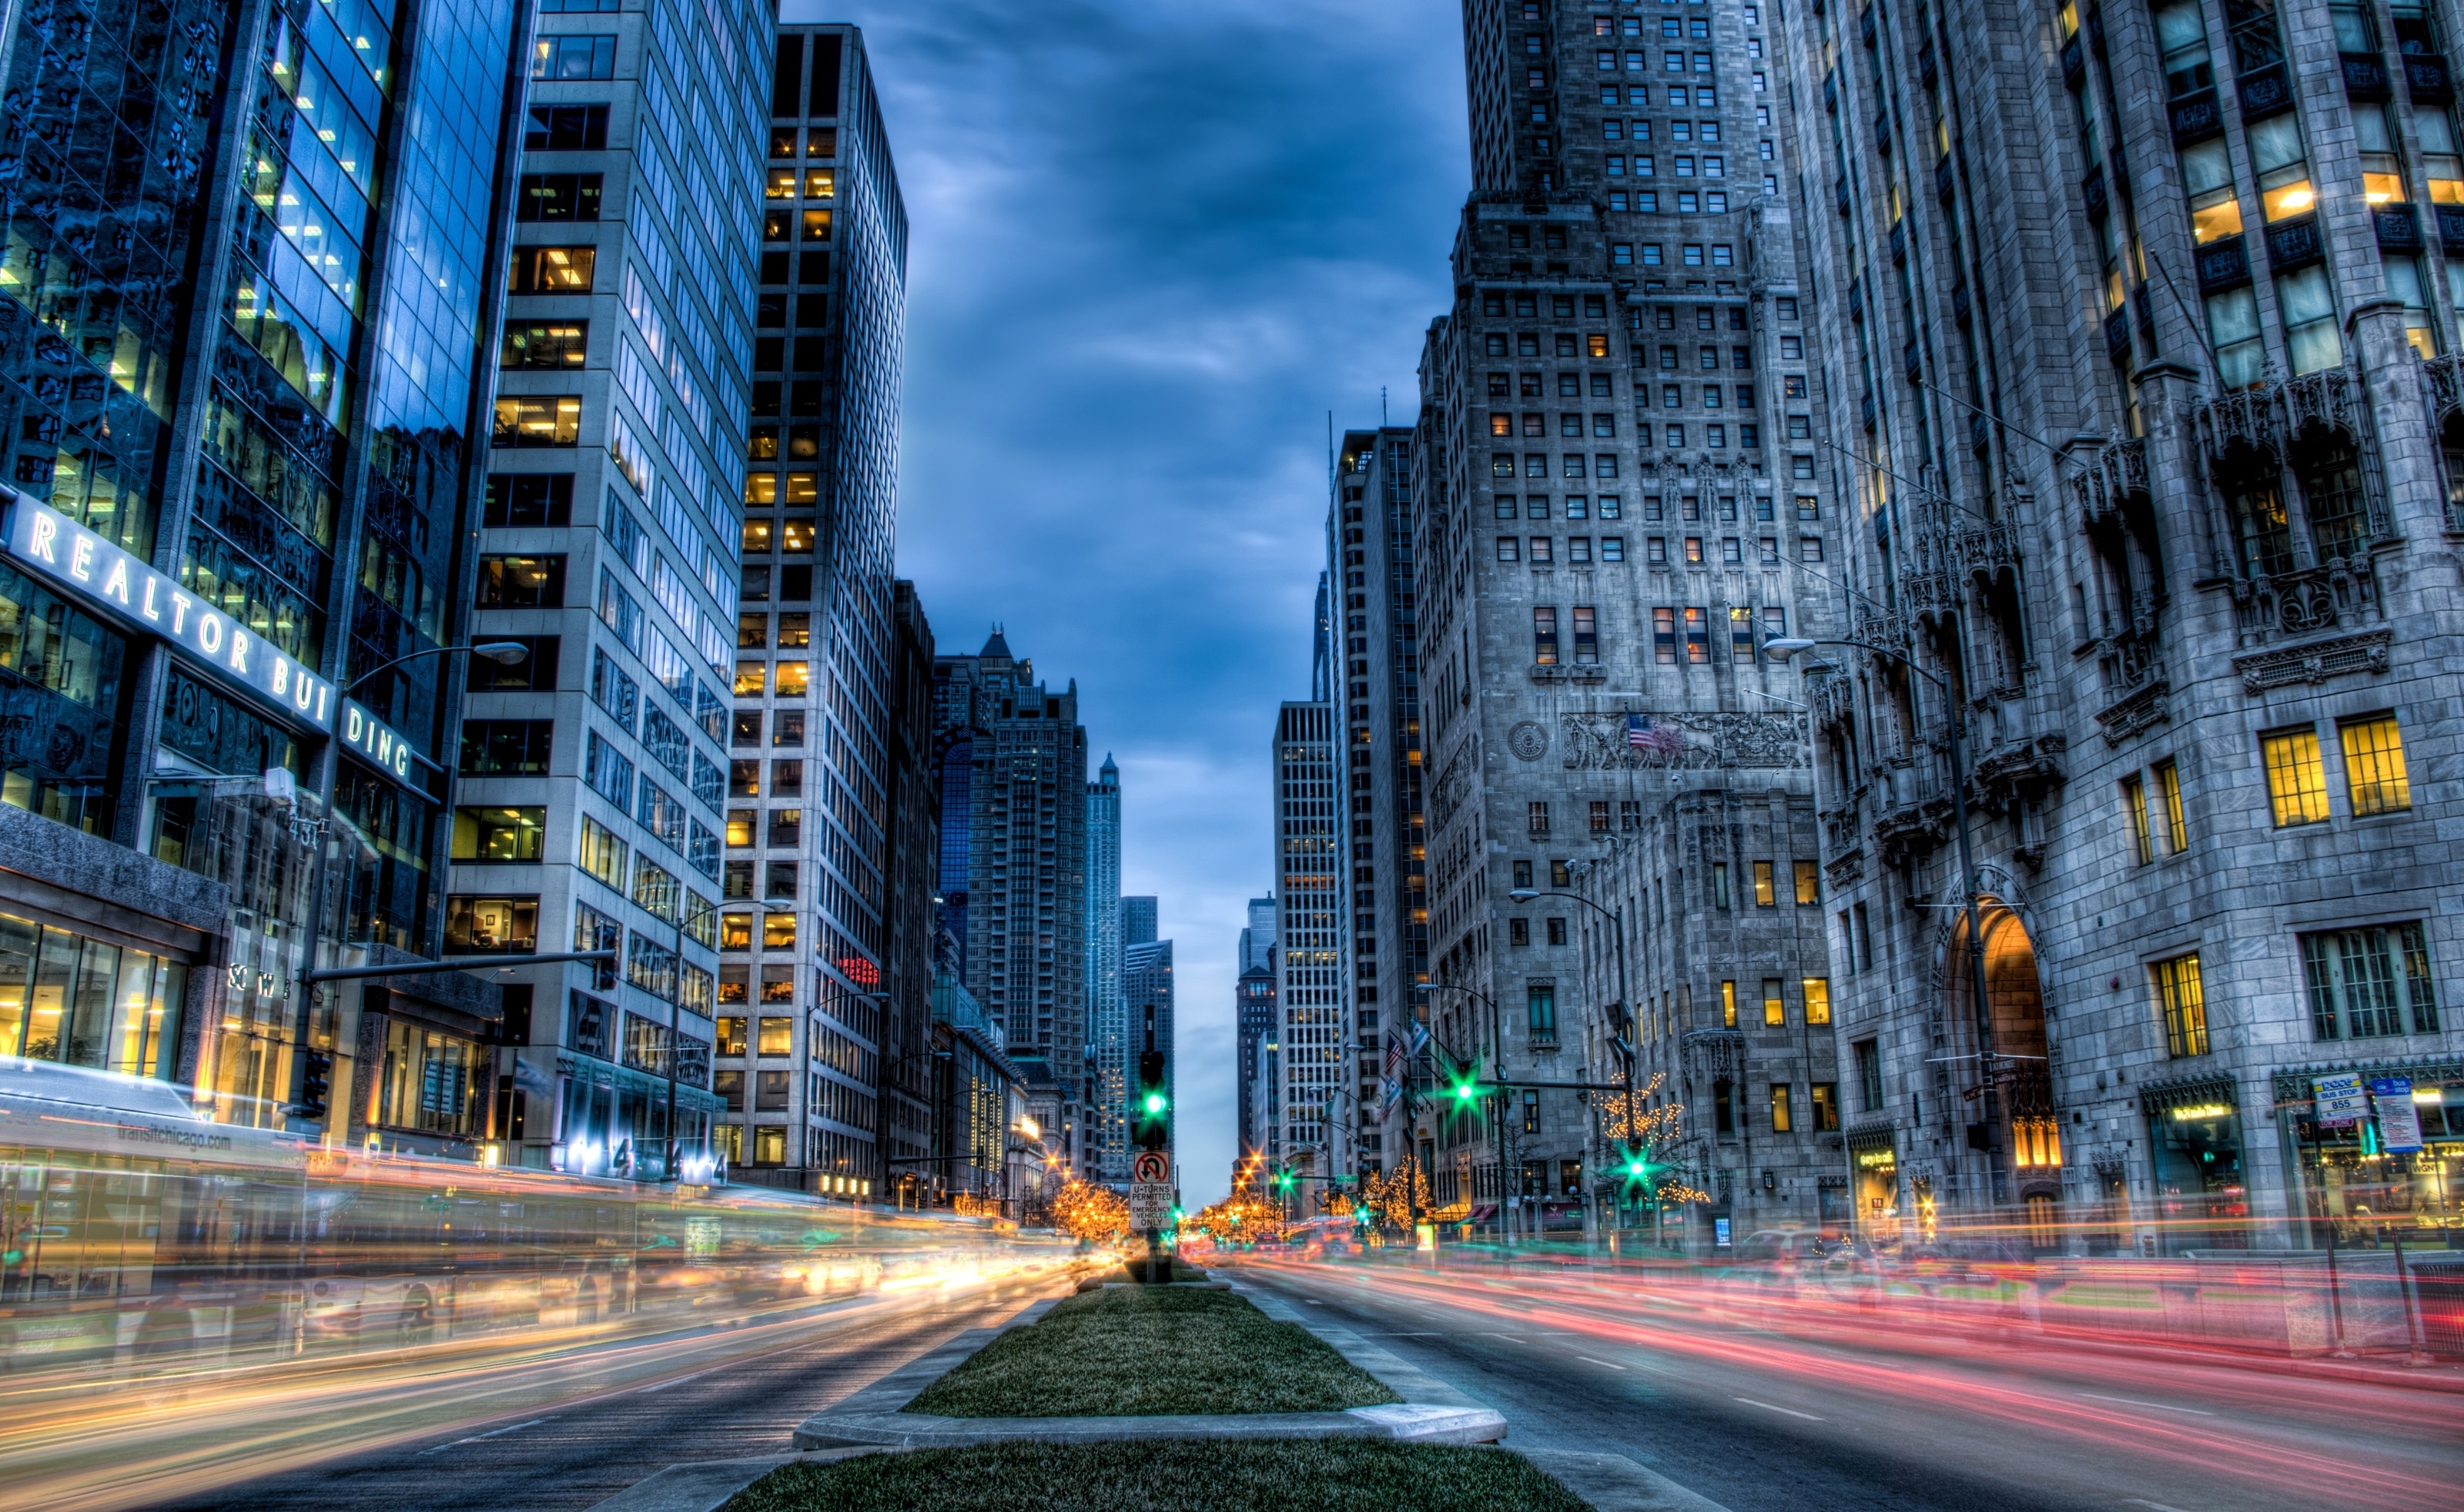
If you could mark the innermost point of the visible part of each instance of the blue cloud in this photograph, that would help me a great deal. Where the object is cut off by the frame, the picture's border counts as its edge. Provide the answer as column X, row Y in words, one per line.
column 1152, row 247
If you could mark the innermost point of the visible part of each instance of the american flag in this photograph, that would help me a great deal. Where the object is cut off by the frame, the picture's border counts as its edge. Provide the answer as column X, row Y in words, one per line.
column 1643, row 734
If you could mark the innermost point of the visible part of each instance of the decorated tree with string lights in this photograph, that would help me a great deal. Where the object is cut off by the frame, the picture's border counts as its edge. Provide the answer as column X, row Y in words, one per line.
column 1398, row 1197
column 1242, row 1218
column 1092, row 1215
column 1643, row 1126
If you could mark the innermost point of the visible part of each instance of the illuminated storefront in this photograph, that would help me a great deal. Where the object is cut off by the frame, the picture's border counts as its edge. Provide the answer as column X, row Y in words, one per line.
column 2377, row 1151
column 2202, row 1193
column 1874, row 1167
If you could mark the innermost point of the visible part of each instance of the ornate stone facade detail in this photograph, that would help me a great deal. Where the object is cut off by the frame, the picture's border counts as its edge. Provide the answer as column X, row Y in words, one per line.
column 1528, row 741
column 1446, row 793
column 1596, row 742
column 2144, row 710
column 2314, row 663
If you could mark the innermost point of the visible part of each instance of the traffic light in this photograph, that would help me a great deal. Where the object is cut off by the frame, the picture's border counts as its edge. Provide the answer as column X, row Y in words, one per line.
column 1466, row 1089
column 1154, row 1104
column 316, row 1084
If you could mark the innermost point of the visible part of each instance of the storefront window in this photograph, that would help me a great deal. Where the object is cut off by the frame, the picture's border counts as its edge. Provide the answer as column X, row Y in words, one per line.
column 82, row 1002
column 61, row 672
column 2358, row 1180
column 2202, row 1203
column 426, row 1081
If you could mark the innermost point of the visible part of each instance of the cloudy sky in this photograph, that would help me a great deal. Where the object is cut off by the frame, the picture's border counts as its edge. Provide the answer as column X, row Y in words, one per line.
column 1153, row 245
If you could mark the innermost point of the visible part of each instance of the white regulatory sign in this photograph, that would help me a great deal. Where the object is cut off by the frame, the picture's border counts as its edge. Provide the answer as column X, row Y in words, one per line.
column 1150, row 1205
column 1151, row 1165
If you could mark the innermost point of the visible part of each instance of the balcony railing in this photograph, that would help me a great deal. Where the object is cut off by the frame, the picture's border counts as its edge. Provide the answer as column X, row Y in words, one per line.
column 2223, row 264
column 2295, row 244
column 2264, row 91
column 2398, row 228
column 2426, row 80
column 2366, row 76
column 2195, row 118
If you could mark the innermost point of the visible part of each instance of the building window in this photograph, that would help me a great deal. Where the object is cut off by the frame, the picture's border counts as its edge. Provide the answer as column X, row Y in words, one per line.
column 1719, row 883
column 1869, row 1076
column 2186, row 1006
column 1809, row 884
column 482, row 835
column 477, row 925
column 2359, row 989
column 2134, row 802
column 2296, row 784
column 2168, row 793
column 1539, row 818
column 1518, row 931
column 1826, row 1106
column 1766, row 891
column 1544, row 637
column 1557, row 931
column 2374, row 774
column 553, row 420
column 1774, row 1007
column 1781, row 1120
column 573, row 56
column 1727, row 1005
column 1586, row 638
column 1542, row 1005
column 1599, row 816
column 558, row 197
column 1664, row 632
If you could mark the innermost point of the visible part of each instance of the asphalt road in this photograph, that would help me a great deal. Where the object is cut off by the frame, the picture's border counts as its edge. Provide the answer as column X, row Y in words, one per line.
column 536, row 1432
column 1767, row 1413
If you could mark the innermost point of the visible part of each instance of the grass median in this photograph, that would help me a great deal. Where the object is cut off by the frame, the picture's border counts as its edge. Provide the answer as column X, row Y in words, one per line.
column 1147, row 1351
column 1134, row 1269
column 1335, row 1475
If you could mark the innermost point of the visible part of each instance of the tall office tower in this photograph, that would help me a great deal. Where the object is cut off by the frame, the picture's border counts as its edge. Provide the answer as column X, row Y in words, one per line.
column 1314, row 1035
column 1108, row 1029
column 1609, row 523
column 810, row 769
column 1020, row 804
column 595, row 770
column 1146, row 988
column 2159, row 387
column 1139, row 921
column 249, row 298
column 1377, row 709
column 1253, row 1002
column 904, row 1082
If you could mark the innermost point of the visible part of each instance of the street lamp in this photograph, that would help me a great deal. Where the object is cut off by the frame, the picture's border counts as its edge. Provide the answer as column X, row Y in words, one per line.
column 1780, row 651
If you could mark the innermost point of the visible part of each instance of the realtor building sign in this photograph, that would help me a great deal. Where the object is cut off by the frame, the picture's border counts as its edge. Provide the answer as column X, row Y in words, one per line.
column 98, row 573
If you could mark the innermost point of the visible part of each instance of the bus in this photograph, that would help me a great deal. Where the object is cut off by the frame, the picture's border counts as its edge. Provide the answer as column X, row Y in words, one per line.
column 136, row 1233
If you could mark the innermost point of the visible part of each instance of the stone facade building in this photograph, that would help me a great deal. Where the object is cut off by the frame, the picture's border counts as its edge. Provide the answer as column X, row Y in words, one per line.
column 1253, row 1000
column 1617, row 499
column 2143, row 328
column 1108, row 1031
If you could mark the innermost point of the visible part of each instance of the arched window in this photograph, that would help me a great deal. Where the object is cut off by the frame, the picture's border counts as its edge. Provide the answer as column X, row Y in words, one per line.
column 2331, row 495
column 2262, row 538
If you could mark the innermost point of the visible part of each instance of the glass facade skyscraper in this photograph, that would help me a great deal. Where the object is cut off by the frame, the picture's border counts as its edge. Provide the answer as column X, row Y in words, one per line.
column 250, row 275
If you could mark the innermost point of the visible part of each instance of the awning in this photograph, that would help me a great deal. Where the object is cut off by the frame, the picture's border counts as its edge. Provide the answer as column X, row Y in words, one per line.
column 1481, row 1214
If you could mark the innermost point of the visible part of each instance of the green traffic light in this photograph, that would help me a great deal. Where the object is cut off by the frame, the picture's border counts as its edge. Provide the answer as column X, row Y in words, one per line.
column 1464, row 1092
column 1154, row 1102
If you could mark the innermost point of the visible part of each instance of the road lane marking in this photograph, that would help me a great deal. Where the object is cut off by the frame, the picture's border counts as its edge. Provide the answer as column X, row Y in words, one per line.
column 492, row 1433
column 679, row 1381
column 1492, row 1334
column 1587, row 1360
column 2132, row 1401
column 2143, row 1501
column 1404, row 1335
column 1769, row 1408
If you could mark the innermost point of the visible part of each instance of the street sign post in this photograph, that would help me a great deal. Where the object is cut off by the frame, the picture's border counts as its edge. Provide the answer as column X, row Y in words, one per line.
column 1150, row 1166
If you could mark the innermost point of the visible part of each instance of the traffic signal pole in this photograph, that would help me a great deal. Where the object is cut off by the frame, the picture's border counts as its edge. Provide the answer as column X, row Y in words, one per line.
column 1154, row 1131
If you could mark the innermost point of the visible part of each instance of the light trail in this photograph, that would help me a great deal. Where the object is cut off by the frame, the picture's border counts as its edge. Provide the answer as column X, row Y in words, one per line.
column 1945, row 1372
column 188, row 1436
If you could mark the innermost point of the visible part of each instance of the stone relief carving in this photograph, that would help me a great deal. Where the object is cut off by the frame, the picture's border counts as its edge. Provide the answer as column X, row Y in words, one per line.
column 1446, row 793
column 1596, row 742
column 1528, row 740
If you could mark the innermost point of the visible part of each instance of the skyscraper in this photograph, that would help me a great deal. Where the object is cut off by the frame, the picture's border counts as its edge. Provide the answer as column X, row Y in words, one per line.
column 2157, row 472
column 1313, row 1038
column 1377, row 703
column 903, row 1082
column 1139, row 921
column 1018, row 799
column 596, row 769
column 1107, row 1028
column 1607, row 529
column 1253, row 1004
column 251, row 289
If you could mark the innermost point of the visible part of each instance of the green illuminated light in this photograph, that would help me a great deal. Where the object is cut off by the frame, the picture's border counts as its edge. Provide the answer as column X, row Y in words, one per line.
column 1154, row 1102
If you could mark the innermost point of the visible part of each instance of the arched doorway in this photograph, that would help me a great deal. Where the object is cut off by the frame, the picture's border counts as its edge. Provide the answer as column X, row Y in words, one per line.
column 2005, row 1092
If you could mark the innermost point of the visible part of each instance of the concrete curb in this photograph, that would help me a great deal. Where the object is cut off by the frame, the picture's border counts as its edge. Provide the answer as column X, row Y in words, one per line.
column 1614, row 1483
column 1407, row 1381
column 1402, row 1423
column 705, row 1486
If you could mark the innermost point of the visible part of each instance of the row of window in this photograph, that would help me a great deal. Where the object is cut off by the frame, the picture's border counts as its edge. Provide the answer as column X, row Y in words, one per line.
column 1579, row 549
column 2368, row 983
column 1689, row 255
column 1613, row 129
column 1680, row 166
column 1578, row 506
column 1574, row 465
column 2375, row 779
column 820, row 142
